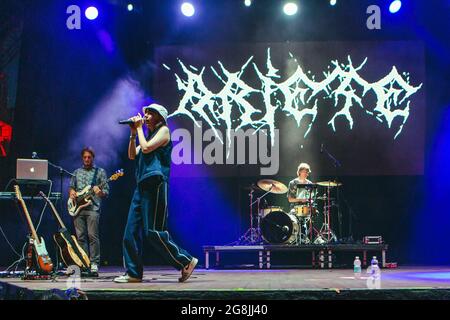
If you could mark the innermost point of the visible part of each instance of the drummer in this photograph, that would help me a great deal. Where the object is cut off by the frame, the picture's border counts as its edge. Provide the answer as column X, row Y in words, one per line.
column 298, row 195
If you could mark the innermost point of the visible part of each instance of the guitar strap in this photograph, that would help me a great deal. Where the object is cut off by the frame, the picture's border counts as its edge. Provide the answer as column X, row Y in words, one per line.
column 94, row 179
column 93, row 182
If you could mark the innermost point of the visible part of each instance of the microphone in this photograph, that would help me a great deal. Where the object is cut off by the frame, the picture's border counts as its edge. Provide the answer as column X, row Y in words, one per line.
column 128, row 121
column 34, row 155
column 321, row 148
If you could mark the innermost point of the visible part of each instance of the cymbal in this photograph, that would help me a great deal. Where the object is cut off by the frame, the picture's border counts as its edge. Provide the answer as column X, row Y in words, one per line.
column 272, row 186
column 329, row 184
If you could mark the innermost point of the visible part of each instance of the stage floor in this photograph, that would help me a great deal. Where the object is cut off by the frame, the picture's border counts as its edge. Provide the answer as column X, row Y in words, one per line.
column 403, row 282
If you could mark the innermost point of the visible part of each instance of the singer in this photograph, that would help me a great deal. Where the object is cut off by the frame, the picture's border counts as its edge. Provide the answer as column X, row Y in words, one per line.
column 148, row 210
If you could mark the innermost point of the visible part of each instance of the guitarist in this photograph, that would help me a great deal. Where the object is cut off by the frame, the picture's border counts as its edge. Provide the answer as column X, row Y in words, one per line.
column 87, row 221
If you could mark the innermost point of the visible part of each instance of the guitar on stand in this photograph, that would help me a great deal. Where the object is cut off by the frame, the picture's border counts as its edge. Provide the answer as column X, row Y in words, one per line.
column 84, row 197
column 42, row 262
column 70, row 251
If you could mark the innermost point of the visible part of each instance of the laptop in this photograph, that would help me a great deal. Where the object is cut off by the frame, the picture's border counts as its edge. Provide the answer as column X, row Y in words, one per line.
column 32, row 169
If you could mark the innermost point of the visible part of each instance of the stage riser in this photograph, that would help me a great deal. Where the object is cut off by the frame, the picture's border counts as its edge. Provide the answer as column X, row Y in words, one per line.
column 279, row 256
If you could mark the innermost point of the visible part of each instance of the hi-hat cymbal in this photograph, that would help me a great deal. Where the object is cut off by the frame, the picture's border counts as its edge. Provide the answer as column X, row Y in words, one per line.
column 329, row 184
column 272, row 186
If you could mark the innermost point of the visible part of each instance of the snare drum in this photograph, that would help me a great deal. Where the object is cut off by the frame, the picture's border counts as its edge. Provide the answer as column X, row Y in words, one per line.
column 279, row 227
column 303, row 211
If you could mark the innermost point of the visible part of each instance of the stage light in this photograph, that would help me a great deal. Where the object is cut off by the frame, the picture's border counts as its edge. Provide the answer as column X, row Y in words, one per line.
column 248, row 3
column 130, row 7
column 333, row 2
column 91, row 13
column 187, row 9
column 290, row 8
column 395, row 6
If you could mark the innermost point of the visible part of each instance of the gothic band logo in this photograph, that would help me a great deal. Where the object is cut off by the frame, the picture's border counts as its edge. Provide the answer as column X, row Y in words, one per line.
column 299, row 95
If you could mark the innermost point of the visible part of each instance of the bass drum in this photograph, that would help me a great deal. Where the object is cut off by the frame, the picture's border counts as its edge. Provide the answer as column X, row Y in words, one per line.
column 279, row 227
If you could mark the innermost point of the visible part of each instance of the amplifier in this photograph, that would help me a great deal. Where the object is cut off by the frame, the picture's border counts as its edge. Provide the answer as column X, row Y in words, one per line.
column 12, row 196
column 373, row 240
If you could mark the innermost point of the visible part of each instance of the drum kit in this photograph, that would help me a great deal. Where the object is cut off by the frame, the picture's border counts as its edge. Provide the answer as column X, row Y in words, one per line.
column 307, row 222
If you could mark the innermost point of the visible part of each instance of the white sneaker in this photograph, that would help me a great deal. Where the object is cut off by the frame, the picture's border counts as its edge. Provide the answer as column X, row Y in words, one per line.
column 94, row 268
column 187, row 270
column 126, row 279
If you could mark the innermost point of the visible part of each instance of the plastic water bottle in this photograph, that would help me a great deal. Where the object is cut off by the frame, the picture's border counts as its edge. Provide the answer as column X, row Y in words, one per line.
column 374, row 279
column 374, row 264
column 357, row 268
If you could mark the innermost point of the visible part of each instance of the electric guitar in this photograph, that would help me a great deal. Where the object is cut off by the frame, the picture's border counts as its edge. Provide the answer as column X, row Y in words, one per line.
column 71, row 252
column 84, row 196
column 44, row 263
